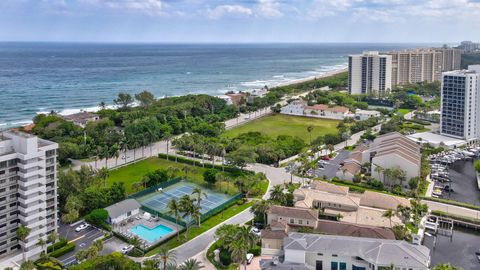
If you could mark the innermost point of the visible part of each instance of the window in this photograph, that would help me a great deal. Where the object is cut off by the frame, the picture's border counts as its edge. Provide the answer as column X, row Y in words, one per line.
column 334, row 265
column 292, row 221
column 300, row 221
column 343, row 266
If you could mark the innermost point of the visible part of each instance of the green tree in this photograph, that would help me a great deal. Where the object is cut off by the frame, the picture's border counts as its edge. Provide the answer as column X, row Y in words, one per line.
column 389, row 214
column 52, row 238
column 27, row 265
column 260, row 209
column 191, row 264
column 103, row 174
column 22, row 233
column 123, row 100
column 145, row 99
column 187, row 208
column 445, row 266
column 42, row 243
column 174, row 209
column 97, row 217
column 309, row 130
column 166, row 256
column 199, row 194
column 241, row 157
column 209, row 176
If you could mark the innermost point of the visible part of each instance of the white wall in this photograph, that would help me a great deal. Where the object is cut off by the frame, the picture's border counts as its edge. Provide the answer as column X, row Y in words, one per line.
column 124, row 216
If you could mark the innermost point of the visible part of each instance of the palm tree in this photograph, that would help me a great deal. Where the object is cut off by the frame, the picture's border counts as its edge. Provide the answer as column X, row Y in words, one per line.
column 42, row 243
column 196, row 214
column 102, row 105
column 261, row 208
column 186, row 208
column 27, row 265
column 380, row 171
column 309, row 130
column 81, row 255
column 103, row 173
column 52, row 238
column 199, row 192
column 22, row 234
column 174, row 210
column 276, row 194
column 167, row 137
column 98, row 244
column 124, row 146
column 166, row 256
column 330, row 148
column 191, row 264
column 135, row 241
column 115, row 152
column 389, row 214
column 245, row 240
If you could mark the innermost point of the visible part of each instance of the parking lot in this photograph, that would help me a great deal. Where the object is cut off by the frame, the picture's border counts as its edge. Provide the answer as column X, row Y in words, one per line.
column 330, row 167
column 82, row 239
column 112, row 245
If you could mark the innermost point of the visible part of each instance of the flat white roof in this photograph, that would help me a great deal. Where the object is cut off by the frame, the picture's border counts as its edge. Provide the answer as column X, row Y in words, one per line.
column 436, row 139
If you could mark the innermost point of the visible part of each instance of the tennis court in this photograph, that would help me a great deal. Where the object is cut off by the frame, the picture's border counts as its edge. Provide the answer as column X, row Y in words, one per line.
column 159, row 199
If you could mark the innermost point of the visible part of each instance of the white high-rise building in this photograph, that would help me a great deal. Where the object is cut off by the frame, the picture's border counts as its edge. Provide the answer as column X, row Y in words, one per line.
column 370, row 73
column 28, row 193
column 460, row 103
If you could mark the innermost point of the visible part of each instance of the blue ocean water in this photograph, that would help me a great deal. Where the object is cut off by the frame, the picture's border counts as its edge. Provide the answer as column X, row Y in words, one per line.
column 66, row 77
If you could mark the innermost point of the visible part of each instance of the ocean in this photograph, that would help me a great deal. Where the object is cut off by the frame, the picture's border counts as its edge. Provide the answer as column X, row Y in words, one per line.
column 68, row 77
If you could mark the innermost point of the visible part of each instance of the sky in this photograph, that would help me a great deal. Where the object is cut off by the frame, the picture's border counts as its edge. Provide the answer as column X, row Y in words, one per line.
column 232, row 21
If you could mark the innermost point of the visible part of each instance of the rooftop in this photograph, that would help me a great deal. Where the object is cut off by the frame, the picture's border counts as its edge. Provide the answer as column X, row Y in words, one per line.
column 292, row 212
column 381, row 252
column 120, row 208
column 323, row 107
column 356, row 230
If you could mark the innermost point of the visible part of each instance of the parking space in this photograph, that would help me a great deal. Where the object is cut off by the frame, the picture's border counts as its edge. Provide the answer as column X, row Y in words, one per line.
column 82, row 239
column 112, row 245
column 329, row 168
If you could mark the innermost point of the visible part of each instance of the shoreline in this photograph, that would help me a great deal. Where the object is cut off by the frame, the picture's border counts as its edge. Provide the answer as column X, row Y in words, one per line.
column 23, row 123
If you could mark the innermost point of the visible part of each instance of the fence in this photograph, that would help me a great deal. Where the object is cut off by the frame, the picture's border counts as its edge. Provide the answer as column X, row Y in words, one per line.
column 155, row 188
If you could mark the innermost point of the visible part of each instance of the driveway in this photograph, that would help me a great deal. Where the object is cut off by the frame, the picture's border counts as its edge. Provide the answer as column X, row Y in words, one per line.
column 83, row 239
column 112, row 245
column 331, row 167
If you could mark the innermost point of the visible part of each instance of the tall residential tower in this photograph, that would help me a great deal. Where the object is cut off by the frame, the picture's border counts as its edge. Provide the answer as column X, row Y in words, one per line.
column 369, row 73
column 460, row 103
column 28, row 193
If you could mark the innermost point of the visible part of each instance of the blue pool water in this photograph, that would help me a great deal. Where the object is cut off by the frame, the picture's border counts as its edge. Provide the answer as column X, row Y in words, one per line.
column 151, row 235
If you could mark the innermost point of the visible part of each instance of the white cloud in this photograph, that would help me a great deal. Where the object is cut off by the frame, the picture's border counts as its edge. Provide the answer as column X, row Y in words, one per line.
column 229, row 10
column 269, row 9
column 149, row 7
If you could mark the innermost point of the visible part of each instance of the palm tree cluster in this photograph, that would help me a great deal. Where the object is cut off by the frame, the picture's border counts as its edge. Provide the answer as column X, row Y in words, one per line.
column 238, row 240
column 201, row 146
column 392, row 176
column 188, row 209
column 280, row 195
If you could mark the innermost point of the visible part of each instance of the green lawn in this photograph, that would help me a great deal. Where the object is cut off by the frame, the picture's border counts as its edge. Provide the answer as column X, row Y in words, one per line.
column 279, row 124
column 402, row 112
column 134, row 172
column 206, row 225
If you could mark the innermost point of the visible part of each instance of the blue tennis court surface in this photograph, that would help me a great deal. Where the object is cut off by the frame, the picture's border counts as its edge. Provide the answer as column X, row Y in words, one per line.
column 159, row 199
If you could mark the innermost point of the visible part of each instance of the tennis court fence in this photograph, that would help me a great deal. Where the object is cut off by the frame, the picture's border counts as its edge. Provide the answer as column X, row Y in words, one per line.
column 155, row 188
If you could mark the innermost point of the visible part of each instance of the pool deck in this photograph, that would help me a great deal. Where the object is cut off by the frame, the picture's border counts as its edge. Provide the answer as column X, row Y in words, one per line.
column 125, row 229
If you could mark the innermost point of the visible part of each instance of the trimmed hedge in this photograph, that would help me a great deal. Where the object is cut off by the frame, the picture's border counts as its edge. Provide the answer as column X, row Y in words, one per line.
column 459, row 204
column 61, row 243
column 62, row 251
column 187, row 161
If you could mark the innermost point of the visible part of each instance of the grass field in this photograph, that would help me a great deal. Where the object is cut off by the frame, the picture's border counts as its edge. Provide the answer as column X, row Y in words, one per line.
column 135, row 172
column 280, row 124
column 402, row 112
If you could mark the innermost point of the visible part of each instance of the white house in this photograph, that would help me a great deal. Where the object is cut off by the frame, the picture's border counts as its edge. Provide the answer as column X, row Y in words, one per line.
column 328, row 252
column 366, row 114
column 122, row 210
column 301, row 108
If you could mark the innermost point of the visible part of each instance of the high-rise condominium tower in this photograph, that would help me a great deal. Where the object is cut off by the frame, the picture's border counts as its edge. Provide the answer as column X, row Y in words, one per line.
column 460, row 103
column 423, row 65
column 28, row 193
column 369, row 73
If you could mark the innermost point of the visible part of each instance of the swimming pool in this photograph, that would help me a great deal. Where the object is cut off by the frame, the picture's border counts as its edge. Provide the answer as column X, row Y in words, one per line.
column 151, row 235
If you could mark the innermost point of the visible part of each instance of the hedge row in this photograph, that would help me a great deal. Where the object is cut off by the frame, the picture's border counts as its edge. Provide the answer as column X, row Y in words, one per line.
column 187, row 161
column 460, row 204
column 61, row 243
column 62, row 251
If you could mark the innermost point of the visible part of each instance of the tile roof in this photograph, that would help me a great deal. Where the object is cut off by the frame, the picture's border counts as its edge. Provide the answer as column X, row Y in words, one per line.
column 293, row 212
column 272, row 234
column 381, row 252
column 324, row 107
column 382, row 201
column 328, row 187
column 356, row 230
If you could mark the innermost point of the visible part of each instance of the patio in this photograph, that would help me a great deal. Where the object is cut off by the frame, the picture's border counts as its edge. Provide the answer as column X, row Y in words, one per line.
column 146, row 219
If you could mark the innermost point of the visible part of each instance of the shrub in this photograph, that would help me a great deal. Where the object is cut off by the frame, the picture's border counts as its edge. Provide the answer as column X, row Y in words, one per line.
column 98, row 217
column 61, row 243
column 256, row 251
column 62, row 251
column 225, row 257
column 209, row 176
column 136, row 253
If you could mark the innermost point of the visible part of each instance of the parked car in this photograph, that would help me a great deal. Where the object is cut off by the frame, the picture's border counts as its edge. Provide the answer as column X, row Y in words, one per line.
column 326, row 157
column 82, row 227
column 249, row 258
column 127, row 249
column 255, row 231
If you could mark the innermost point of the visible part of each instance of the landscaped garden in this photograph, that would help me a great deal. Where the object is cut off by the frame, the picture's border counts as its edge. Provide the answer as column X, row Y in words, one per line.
column 279, row 124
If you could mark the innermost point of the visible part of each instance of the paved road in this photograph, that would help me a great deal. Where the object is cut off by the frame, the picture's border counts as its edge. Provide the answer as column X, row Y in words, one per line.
column 331, row 167
column 83, row 239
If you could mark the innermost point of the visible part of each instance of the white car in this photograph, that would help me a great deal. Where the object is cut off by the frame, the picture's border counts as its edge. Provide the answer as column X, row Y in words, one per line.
column 82, row 227
column 249, row 258
column 255, row 231
column 127, row 249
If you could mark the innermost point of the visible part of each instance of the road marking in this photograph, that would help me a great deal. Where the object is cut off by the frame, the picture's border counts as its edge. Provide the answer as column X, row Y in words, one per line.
column 76, row 239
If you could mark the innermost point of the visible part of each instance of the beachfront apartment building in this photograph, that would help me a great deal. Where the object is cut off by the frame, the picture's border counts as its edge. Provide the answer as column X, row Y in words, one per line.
column 329, row 252
column 370, row 73
column 28, row 194
column 460, row 103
